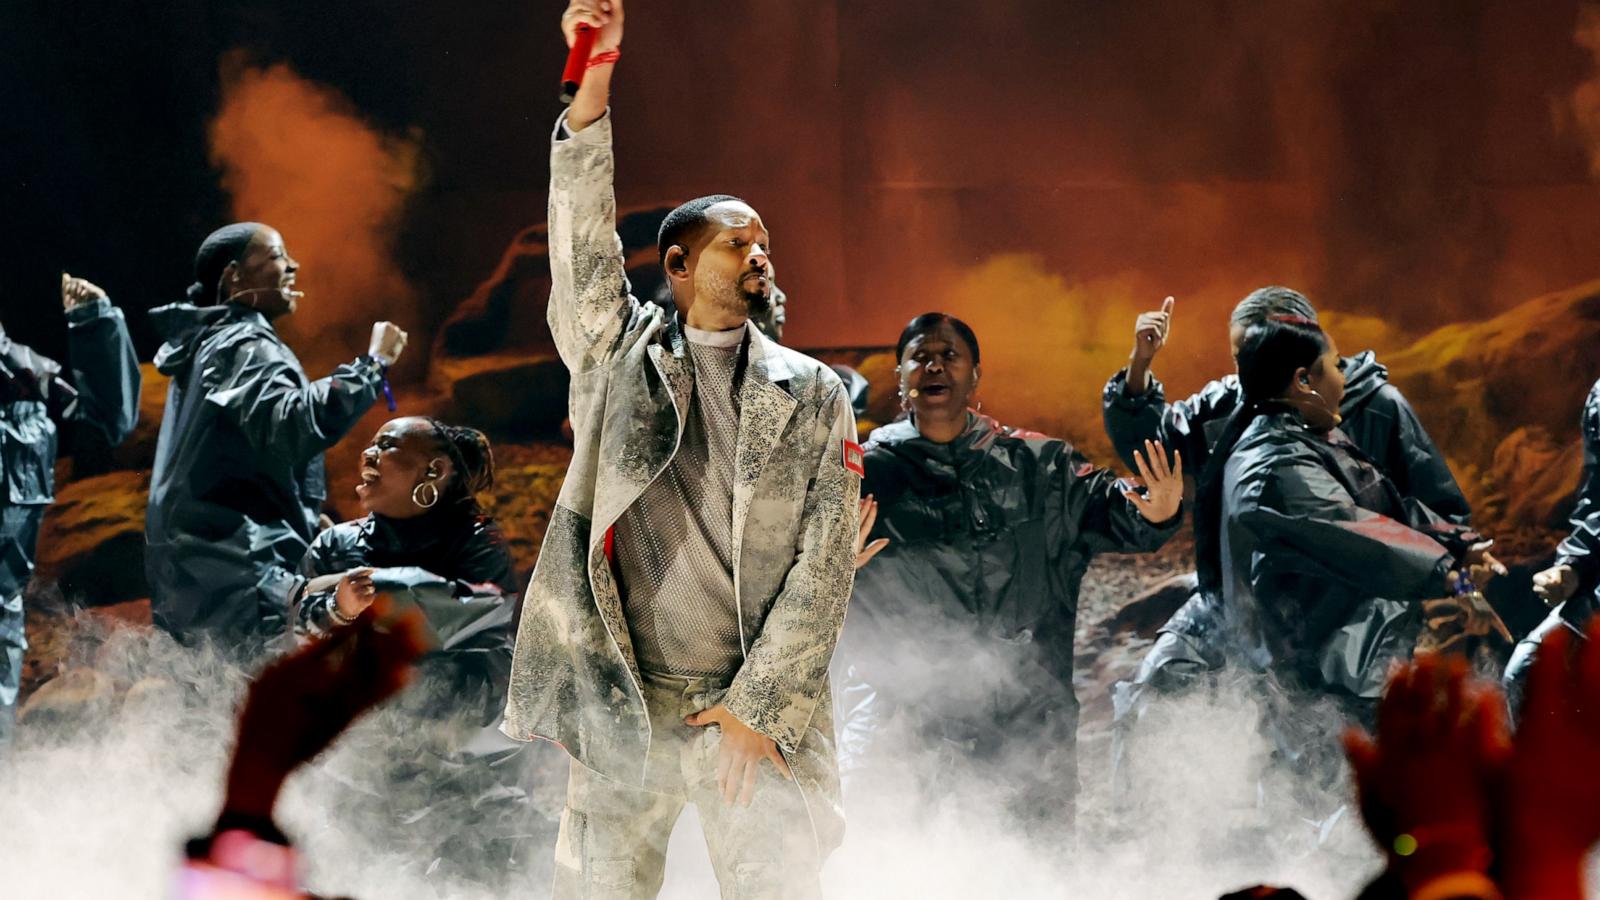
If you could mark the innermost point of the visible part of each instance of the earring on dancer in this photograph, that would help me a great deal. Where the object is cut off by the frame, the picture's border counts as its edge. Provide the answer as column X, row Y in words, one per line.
column 426, row 494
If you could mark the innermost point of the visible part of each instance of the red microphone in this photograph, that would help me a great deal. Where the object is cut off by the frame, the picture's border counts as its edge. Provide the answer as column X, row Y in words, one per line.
column 577, row 62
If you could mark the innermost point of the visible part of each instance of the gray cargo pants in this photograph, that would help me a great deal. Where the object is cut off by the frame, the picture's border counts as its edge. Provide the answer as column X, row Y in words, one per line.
column 613, row 839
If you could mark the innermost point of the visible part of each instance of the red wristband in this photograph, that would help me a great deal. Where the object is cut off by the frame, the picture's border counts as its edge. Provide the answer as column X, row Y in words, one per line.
column 604, row 59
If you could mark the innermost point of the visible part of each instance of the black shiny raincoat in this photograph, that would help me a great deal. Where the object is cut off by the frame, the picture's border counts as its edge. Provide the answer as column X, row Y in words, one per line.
column 38, row 402
column 239, row 480
column 452, row 562
column 965, row 622
column 100, row 391
column 1580, row 550
column 447, row 792
column 1377, row 419
column 1323, row 563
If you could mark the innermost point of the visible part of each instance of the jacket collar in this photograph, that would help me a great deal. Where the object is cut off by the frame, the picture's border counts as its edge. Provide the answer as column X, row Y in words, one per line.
column 980, row 429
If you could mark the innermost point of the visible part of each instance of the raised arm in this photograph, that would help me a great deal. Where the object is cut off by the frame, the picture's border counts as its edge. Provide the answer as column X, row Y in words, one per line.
column 1131, row 419
column 590, row 304
column 258, row 388
column 105, row 370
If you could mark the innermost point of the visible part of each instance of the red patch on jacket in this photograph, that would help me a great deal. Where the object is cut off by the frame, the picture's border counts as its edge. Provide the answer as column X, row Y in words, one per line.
column 854, row 460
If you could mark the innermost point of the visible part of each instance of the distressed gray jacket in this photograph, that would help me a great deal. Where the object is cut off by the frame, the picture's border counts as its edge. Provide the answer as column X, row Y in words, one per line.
column 574, row 677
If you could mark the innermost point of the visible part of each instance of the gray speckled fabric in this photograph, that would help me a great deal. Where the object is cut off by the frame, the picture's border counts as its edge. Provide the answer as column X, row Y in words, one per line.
column 575, row 678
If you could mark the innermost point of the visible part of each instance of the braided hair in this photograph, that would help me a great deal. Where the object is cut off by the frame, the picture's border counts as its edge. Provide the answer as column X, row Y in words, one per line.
column 470, row 457
column 1272, row 300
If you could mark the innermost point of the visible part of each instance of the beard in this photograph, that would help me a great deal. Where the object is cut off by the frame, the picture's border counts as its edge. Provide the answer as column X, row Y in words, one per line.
column 729, row 295
column 758, row 302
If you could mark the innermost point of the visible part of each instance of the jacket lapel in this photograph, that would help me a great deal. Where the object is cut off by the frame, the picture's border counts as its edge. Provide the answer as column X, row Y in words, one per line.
column 643, row 420
column 764, row 411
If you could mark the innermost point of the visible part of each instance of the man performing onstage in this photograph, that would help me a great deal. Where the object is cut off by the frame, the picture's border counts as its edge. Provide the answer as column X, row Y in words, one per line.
column 100, row 392
column 676, row 635
column 1571, row 585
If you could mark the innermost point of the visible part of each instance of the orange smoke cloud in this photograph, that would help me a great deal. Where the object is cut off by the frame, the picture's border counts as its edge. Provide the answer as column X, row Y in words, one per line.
column 1050, row 341
column 296, row 155
column 1581, row 111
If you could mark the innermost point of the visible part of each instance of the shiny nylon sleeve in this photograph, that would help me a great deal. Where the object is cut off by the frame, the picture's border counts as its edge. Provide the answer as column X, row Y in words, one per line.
column 1308, row 522
column 1130, row 421
column 258, row 388
column 105, row 370
column 1581, row 549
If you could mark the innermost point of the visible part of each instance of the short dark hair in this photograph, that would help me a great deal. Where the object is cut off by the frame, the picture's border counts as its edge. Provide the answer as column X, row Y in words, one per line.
column 220, row 248
column 685, row 220
column 1272, row 300
column 927, row 322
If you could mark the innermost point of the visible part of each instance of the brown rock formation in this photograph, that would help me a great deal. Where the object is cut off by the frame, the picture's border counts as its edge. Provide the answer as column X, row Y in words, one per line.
column 1502, row 398
column 92, row 541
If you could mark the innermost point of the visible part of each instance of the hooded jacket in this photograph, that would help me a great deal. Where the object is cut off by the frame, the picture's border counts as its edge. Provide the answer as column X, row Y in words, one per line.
column 1377, row 419
column 1323, row 563
column 966, row 618
column 575, row 679
column 101, row 391
column 238, row 479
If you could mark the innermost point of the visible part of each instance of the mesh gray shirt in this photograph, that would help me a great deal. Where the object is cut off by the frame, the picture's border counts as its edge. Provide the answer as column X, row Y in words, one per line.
column 674, row 545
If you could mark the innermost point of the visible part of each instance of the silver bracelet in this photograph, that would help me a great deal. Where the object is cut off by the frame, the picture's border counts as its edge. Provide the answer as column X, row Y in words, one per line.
column 339, row 618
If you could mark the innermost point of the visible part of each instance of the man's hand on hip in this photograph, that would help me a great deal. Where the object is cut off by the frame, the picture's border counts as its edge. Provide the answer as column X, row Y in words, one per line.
column 739, row 755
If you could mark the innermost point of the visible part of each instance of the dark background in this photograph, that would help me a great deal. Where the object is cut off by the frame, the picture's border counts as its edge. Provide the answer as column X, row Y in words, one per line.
column 1045, row 169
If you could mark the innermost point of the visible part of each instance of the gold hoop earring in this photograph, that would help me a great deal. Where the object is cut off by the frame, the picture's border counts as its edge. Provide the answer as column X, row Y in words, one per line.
column 425, row 494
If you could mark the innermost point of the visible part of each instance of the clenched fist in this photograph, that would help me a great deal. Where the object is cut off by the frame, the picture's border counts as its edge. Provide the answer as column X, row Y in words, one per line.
column 387, row 342
column 78, row 290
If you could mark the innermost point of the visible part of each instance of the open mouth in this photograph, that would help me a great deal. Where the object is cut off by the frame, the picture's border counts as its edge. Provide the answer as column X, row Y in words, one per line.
column 935, row 390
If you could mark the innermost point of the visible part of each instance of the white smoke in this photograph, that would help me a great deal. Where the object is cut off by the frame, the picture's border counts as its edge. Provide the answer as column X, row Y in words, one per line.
column 125, row 782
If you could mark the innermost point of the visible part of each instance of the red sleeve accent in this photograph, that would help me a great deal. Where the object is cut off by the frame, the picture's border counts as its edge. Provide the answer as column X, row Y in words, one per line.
column 854, row 460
